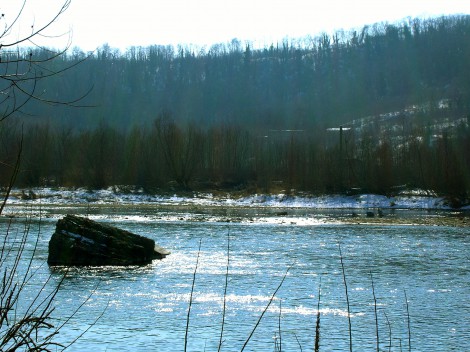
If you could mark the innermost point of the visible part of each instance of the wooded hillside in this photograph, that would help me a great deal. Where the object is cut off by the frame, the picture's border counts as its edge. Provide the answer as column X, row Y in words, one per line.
column 231, row 116
column 327, row 80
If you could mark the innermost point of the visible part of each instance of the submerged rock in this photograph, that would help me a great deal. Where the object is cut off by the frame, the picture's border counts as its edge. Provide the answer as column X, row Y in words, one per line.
column 81, row 241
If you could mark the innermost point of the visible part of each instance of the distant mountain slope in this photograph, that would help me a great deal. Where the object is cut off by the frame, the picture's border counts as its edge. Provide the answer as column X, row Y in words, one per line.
column 326, row 80
column 379, row 110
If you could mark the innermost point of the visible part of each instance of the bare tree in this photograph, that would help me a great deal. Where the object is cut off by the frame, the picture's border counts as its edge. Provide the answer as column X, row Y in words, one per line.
column 182, row 149
column 24, row 63
column 21, row 70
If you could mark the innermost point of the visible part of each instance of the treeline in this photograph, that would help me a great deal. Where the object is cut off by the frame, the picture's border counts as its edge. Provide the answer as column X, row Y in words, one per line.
column 234, row 118
column 323, row 80
column 172, row 157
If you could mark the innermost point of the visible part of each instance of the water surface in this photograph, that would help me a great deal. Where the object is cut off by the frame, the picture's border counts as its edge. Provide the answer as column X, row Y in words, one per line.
column 145, row 308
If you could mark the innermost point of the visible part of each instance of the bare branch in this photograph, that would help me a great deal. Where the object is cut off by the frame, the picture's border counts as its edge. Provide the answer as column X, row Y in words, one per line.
column 34, row 32
column 22, row 68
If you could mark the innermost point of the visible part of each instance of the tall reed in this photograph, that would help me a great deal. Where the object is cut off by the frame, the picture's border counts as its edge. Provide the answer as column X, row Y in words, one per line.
column 27, row 326
column 225, row 292
column 408, row 321
column 317, row 324
column 265, row 309
column 278, row 339
column 191, row 298
column 389, row 332
column 347, row 298
column 375, row 312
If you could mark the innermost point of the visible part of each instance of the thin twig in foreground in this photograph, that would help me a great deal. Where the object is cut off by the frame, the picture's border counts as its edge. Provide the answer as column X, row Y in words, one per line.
column 265, row 309
column 317, row 325
column 347, row 298
column 408, row 319
column 375, row 312
column 16, row 170
column 298, row 342
column 389, row 333
column 191, row 298
column 279, row 326
column 225, row 293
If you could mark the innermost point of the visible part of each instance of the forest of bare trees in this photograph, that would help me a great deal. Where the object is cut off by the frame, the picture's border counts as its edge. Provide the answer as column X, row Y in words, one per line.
column 173, row 157
column 232, row 117
column 327, row 80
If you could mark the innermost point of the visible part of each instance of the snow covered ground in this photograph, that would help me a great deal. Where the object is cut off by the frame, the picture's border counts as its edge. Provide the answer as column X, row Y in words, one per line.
column 56, row 196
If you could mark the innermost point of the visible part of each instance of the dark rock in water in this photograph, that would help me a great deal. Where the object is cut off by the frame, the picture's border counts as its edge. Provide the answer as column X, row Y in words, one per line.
column 370, row 214
column 81, row 241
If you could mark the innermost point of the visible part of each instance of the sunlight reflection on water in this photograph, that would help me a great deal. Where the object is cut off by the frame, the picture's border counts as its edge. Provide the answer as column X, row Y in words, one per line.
column 145, row 307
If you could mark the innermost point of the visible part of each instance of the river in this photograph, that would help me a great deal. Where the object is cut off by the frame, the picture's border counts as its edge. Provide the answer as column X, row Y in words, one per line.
column 146, row 308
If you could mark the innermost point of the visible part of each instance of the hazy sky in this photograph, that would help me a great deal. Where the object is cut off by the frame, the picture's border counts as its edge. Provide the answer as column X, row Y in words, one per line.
column 123, row 23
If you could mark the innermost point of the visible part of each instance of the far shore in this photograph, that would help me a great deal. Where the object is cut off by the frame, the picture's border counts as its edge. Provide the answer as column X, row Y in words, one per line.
column 407, row 199
column 411, row 208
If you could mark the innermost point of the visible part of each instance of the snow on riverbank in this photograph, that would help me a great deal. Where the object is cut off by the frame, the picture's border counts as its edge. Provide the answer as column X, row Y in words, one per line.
column 112, row 195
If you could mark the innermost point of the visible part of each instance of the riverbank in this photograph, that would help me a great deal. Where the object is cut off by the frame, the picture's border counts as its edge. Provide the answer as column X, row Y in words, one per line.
column 410, row 209
column 411, row 199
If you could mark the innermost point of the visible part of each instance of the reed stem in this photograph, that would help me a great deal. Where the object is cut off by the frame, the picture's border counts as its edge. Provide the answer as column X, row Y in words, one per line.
column 191, row 298
column 317, row 325
column 265, row 309
column 389, row 333
column 375, row 312
column 298, row 342
column 347, row 297
column 225, row 292
column 279, row 326
column 408, row 320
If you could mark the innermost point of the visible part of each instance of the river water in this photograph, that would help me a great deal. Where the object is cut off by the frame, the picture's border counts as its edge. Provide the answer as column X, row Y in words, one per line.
column 146, row 308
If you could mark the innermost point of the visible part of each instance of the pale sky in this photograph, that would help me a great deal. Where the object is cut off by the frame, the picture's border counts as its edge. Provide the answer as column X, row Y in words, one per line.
column 122, row 23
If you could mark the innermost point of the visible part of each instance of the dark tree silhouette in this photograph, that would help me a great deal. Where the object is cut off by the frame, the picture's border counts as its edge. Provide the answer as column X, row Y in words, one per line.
column 24, row 324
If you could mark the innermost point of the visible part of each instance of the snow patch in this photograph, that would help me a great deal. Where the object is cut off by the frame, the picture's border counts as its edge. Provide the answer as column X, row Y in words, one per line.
column 417, row 199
